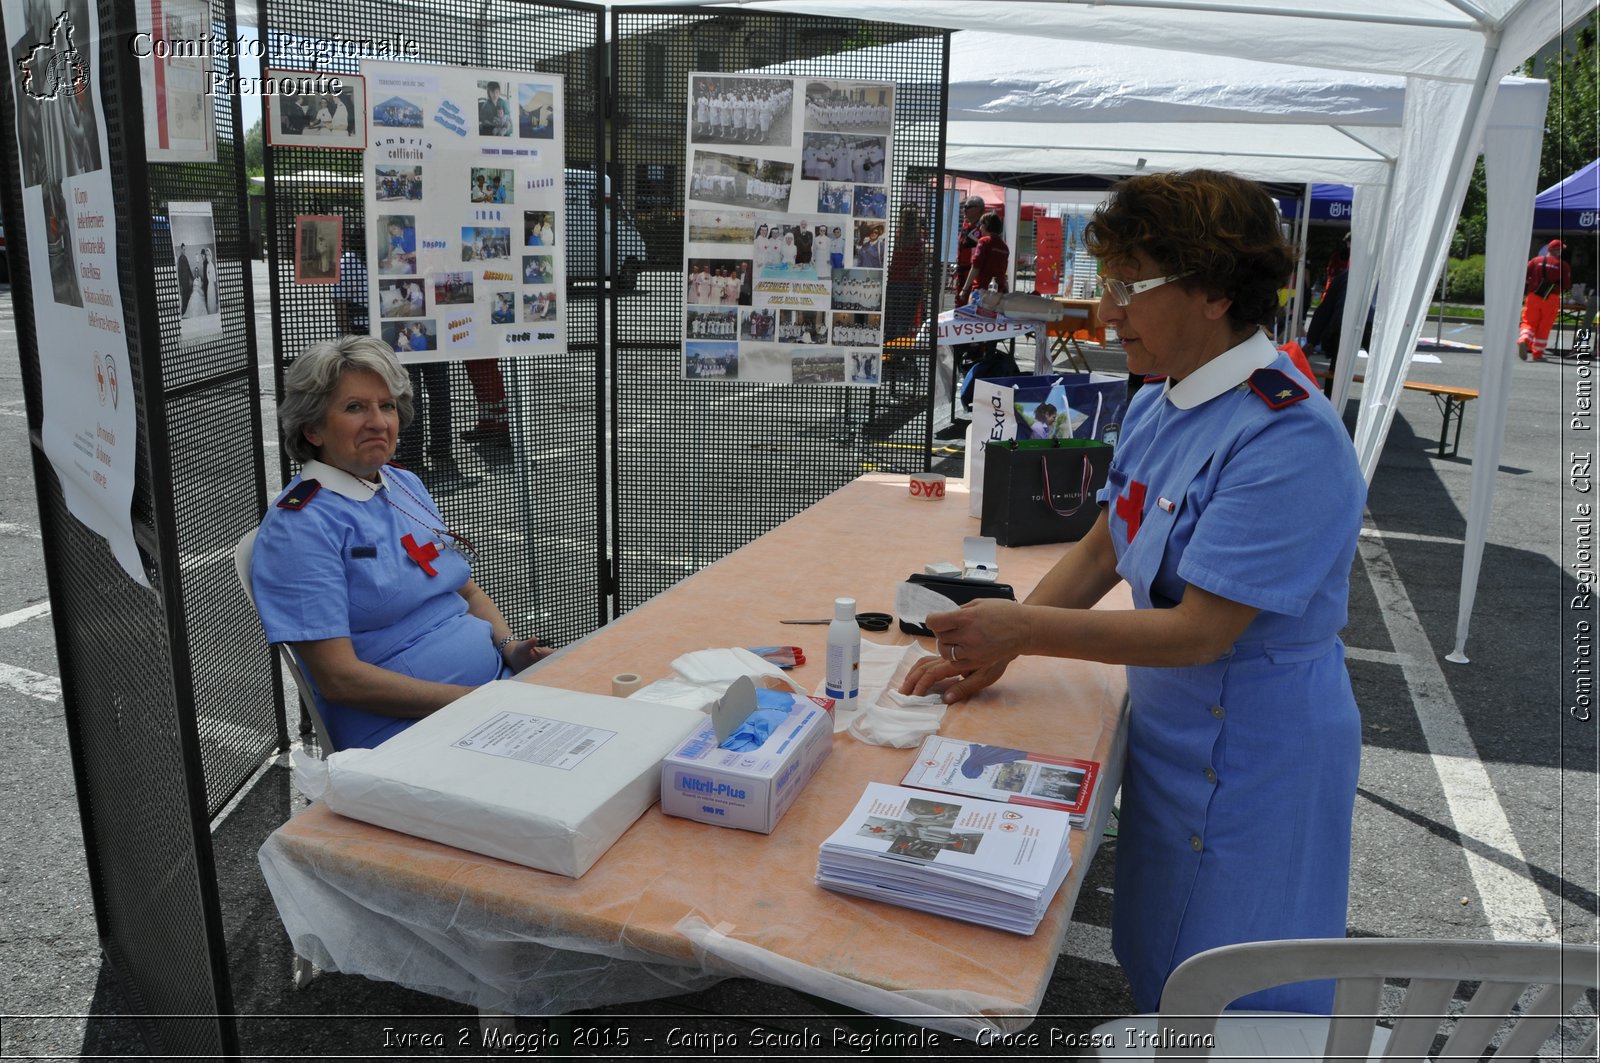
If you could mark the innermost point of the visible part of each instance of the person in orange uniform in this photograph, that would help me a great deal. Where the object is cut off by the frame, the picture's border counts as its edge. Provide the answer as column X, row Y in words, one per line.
column 1548, row 276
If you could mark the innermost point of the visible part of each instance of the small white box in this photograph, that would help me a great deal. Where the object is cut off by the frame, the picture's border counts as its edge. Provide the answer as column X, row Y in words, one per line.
column 751, row 790
column 543, row 777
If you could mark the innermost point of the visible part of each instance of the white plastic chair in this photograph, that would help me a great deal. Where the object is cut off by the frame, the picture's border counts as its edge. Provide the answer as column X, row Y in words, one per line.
column 1197, row 992
column 303, row 969
column 241, row 565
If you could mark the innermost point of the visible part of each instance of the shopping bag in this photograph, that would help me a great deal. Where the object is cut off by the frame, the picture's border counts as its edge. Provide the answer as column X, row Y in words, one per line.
column 1043, row 490
column 1058, row 406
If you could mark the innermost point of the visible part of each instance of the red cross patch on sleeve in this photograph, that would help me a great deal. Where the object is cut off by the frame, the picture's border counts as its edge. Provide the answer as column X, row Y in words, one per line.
column 1276, row 388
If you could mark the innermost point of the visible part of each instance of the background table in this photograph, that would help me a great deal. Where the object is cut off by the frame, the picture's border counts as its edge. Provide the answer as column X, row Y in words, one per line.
column 1083, row 315
column 676, row 904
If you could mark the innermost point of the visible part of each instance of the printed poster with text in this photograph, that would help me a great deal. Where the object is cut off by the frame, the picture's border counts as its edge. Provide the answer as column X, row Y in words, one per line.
column 785, row 229
column 69, row 213
column 465, row 203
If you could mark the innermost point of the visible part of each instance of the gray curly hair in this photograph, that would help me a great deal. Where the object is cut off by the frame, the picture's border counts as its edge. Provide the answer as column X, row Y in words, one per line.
column 309, row 382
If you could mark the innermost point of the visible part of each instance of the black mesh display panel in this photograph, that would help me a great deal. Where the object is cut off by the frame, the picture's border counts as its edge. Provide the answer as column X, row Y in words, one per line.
column 702, row 467
column 214, row 483
column 537, row 519
column 150, row 758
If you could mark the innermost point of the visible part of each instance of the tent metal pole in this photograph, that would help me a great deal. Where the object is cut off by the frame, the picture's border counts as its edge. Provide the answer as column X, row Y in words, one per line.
column 1302, row 282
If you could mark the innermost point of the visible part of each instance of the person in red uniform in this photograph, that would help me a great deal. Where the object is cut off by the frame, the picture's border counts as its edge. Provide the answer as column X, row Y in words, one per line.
column 1548, row 276
column 990, row 259
column 907, row 266
column 971, row 210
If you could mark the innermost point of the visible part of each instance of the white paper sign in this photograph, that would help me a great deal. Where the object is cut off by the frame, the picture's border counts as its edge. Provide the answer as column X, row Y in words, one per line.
column 467, row 233
column 69, row 211
column 785, row 226
column 178, row 124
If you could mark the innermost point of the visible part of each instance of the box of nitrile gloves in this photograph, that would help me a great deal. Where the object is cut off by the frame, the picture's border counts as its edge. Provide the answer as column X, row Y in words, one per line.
column 751, row 789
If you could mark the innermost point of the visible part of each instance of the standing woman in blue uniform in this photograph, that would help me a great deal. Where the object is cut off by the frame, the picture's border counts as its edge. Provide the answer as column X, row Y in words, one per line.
column 1231, row 510
column 356, row 568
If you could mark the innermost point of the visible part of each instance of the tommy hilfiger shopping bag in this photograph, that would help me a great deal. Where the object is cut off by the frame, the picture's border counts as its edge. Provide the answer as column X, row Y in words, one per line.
column 1042, row 490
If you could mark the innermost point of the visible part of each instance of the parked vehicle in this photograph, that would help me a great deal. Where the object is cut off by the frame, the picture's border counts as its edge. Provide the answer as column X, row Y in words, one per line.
column 580, row 239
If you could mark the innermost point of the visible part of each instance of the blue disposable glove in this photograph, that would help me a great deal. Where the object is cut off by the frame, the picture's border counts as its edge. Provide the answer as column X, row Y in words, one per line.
column 754, row 731
column 772, row 708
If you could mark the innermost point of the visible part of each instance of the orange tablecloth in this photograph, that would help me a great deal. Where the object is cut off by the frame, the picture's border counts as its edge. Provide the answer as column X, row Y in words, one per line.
column 675, row 904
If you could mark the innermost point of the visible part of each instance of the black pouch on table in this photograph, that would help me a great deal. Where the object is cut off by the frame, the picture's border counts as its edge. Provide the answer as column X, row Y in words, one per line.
column 959, row 590
column 1042, row 490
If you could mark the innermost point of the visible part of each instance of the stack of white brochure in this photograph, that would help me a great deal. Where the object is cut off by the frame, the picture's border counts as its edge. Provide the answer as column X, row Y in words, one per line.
column 543, row 777
column 980, row 861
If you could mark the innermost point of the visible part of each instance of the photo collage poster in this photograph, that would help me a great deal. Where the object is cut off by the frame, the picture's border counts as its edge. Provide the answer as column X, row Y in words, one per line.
column 464, row 194
column 785, row 226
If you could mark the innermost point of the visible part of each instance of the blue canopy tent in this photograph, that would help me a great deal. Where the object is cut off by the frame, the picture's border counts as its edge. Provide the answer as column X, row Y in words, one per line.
column 1328, row 203
column 1572, row 204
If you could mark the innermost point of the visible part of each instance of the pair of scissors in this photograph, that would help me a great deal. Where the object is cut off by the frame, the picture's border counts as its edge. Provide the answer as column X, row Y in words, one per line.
column 867, row 621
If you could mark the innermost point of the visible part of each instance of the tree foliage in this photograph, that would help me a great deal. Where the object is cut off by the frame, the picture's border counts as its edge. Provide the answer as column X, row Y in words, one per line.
column 1573, row 121
column 255, row 150
column 1571, row 133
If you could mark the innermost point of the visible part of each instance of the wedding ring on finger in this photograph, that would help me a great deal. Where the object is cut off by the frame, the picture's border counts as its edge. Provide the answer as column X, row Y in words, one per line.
column 953, row 648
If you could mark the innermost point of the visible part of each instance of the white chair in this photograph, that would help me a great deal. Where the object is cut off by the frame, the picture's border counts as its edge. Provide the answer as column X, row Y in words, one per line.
column 303, row 969
column 1197, row 992
column 241, row 564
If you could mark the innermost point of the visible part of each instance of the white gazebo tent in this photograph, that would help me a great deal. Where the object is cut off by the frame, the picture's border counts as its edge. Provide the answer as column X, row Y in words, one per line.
column 1013, row 110
column 1451, row 56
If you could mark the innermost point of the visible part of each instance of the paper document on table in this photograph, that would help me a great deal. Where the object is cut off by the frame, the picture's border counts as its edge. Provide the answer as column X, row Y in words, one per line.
column 1000, row 773
column 914, row 601
column 979, row 861
column 535, row 740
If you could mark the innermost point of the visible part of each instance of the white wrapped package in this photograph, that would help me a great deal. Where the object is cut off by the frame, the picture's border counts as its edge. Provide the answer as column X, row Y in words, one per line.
column 542, row 777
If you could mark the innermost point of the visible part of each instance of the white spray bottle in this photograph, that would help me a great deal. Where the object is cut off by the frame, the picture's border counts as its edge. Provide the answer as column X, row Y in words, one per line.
column 844, row 656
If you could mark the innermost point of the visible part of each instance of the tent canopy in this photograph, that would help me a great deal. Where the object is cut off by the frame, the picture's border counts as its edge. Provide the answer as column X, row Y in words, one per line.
column 1394, row 97
column 1463, row 42
column 1572, row 204
column 1328, row 203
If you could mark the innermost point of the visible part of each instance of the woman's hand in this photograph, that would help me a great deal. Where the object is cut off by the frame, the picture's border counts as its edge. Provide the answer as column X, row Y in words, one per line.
column 525, row 654
column 975, row 642
column 931, row 671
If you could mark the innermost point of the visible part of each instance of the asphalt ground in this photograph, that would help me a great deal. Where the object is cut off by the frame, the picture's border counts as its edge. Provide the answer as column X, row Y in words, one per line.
column 1476, row 815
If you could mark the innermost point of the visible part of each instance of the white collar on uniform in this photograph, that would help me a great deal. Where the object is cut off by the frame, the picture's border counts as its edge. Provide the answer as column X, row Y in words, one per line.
column 340, row 482
column 1223, row 373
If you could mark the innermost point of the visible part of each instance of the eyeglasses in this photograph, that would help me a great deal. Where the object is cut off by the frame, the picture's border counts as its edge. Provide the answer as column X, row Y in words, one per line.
column 1122, row 293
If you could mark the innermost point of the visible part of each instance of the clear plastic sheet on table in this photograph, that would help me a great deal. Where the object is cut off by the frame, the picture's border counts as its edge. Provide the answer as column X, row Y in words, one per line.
column 447, row 946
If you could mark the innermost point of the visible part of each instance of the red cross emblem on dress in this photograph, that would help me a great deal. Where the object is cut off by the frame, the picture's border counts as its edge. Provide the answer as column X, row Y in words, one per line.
column 423, row 554
column 1130, row 507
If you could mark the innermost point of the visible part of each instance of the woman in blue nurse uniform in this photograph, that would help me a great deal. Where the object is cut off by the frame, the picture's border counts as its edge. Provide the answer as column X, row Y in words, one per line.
column 1231, row 510
column 355, row 567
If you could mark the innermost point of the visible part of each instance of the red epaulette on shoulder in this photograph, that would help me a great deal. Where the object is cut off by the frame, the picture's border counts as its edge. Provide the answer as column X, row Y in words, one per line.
column 1276, row 388
column 299, row 495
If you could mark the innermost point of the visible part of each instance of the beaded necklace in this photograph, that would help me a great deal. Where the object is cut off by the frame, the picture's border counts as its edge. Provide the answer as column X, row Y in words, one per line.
column 448, row 539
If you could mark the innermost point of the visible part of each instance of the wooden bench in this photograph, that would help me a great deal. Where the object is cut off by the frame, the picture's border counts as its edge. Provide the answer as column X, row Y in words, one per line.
column 1451, row 400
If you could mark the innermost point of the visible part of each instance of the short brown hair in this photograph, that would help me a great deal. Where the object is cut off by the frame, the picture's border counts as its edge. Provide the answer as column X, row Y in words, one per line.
column 1221, row 230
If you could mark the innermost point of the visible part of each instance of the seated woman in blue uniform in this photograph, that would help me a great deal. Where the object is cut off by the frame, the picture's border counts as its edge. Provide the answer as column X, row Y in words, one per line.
column 1231, row 509
column 356, row 568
